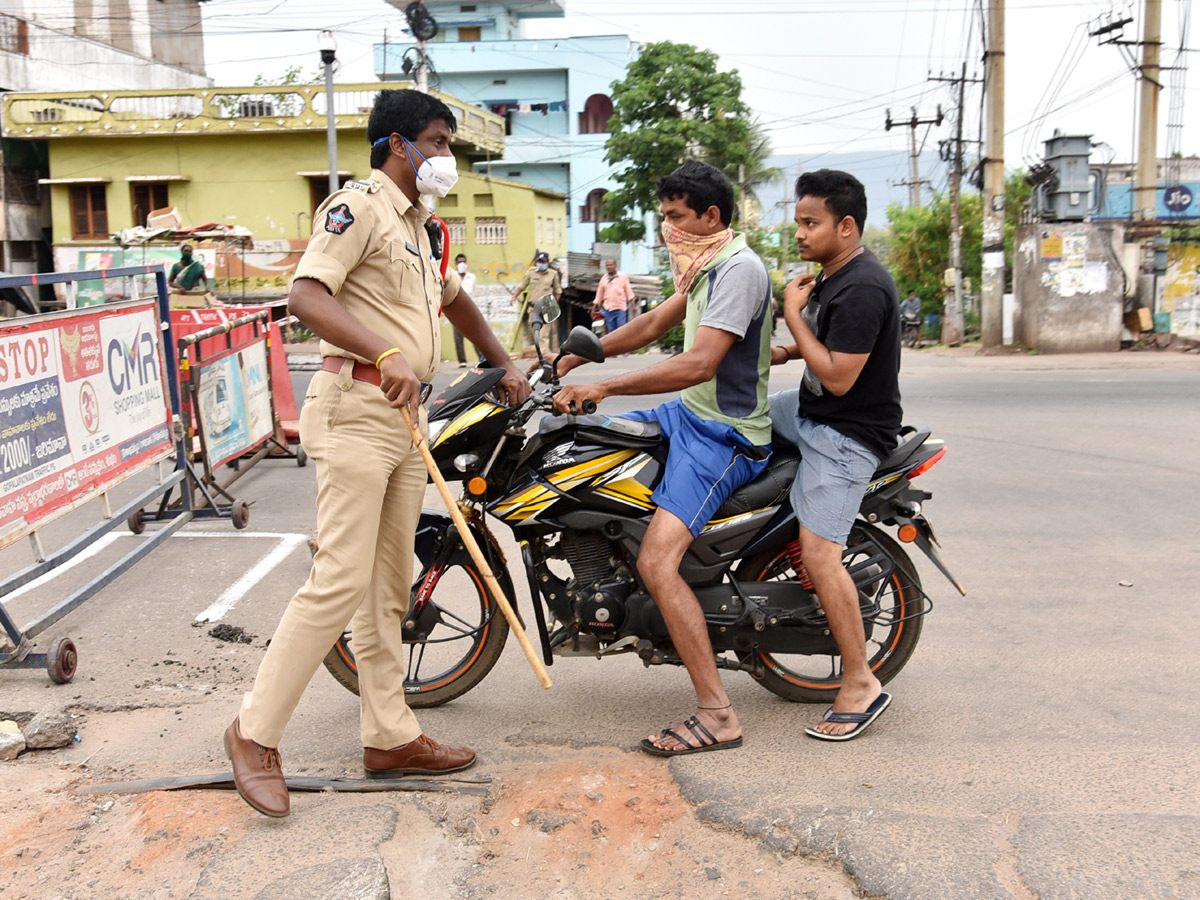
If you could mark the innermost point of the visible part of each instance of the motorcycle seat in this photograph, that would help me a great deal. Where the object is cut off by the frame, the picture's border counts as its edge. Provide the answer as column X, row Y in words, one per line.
column 770, row 488
column 605, row 430
column 910, row 440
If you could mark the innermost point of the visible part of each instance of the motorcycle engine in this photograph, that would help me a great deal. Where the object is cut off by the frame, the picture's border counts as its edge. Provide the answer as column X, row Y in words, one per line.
column 601, row 608
column 601, row 586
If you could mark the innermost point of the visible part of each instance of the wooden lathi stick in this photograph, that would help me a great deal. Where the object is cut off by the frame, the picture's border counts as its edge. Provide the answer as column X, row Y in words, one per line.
column 468, row 539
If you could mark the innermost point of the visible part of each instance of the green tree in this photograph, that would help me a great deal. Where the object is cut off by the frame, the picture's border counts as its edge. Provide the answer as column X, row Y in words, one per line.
column 672, row 105
column 1016, row 200
column 918, row 246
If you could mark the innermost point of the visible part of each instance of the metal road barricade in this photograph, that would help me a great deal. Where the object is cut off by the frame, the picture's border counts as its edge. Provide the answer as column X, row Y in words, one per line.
column 89, row 398
column 228, row 413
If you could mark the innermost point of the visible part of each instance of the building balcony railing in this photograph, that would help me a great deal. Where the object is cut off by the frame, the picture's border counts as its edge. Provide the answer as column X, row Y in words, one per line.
column 228, row 110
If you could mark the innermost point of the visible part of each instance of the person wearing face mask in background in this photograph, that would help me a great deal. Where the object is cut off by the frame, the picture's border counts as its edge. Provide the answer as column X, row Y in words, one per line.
column 719, row 430
column 542, row 279
column 185, row 274
column 370, row 286
column 468, row 285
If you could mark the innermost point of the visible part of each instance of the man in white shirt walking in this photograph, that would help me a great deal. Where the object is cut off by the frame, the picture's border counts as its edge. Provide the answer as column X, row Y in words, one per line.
column 468, row 282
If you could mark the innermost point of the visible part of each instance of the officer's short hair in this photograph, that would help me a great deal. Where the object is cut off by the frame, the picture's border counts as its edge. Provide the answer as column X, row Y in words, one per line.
column 842, row 192
column 701, row 186
column 406, row 113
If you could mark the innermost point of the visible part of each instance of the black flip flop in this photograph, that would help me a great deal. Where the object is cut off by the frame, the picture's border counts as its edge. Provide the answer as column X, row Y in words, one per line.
column 706, row 741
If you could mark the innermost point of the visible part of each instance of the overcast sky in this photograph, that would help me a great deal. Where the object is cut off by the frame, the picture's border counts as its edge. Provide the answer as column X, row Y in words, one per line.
column 820, row 74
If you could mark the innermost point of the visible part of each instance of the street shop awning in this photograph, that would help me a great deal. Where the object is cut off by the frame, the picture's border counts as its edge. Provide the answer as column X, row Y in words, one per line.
column 230, row 235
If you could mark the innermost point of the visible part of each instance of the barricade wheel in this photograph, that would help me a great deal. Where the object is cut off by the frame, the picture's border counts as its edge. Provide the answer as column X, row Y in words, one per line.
column 137, row 522
column 61, row 661
column 239, row 513
column 301, row 457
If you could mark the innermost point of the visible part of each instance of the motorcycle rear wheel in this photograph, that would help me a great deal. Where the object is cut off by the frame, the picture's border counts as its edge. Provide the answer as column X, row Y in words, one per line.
column 817, row 679
column 458, row 652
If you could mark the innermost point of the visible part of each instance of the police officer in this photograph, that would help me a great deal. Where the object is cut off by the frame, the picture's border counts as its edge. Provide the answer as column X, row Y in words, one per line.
column 370, row 287
column 538, row 281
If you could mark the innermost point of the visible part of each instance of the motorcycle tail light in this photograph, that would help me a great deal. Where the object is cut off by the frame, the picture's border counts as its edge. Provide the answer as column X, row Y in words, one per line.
column 477, row 486
column 927, row 465
column 907, row 533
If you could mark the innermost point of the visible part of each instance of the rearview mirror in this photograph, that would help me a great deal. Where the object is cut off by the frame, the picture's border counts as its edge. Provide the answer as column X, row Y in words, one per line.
column 584, row 343
column 545, row 310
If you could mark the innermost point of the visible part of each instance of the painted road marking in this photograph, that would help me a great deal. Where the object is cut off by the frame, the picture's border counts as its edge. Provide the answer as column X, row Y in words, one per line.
column 287, row 542
column 75, row 560
column 242, row 586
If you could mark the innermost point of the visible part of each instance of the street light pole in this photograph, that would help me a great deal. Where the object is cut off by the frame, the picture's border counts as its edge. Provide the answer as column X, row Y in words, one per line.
column 328, row 47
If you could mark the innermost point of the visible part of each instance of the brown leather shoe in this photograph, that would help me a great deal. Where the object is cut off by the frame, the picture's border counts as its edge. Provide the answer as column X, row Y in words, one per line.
column 257, row 773
column 423, row 756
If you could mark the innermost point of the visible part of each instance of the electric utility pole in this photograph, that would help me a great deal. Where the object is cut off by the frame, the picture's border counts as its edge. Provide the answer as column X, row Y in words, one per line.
column 914, row 183
column 992, row 289
column 952, row 152
column 1144, row 208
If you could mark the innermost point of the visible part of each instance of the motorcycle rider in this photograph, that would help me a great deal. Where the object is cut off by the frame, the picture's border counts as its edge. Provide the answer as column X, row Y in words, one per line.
column 718, row 429
column 844, row 417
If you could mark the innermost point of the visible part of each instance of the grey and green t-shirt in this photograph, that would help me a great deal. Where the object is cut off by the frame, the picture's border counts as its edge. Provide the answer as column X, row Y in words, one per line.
column 733, row 293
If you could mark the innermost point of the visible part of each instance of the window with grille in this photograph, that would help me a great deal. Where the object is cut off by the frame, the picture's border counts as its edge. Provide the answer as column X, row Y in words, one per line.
column 21, row 185
column 22, row 251
column 593, row 211
column 147, row 197
column 89, row 211
column 493, row 230
column 458, row 231
column 14, row 34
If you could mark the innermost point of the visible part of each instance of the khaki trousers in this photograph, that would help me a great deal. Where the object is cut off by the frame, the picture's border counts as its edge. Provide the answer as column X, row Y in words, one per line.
column 370, row 487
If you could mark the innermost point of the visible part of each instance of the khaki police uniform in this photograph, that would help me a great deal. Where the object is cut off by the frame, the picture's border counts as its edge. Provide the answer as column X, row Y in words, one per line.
column 536, row 285
column 370, row 250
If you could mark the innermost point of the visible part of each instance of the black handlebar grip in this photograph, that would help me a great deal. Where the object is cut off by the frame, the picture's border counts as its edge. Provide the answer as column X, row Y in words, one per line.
column 589, row 407
column 572, row 408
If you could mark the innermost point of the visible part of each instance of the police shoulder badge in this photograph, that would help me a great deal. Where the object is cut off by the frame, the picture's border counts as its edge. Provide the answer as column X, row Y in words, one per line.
column 338, row 219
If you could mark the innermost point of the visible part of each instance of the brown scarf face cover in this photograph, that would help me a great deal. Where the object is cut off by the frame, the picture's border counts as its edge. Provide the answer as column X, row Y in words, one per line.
column 691, row 252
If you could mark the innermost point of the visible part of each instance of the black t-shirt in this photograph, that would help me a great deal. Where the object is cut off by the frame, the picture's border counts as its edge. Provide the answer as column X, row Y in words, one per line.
column 858, row 312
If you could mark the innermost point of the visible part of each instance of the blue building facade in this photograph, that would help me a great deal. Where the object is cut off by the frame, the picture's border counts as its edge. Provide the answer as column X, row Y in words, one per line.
column 554, row 95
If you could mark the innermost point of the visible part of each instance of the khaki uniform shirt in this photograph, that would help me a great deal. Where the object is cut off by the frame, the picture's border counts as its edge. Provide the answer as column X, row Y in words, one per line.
column 540, row 283
column 371, row 251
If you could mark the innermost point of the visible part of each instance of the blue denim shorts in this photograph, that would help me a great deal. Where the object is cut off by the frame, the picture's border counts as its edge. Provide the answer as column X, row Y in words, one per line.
column 834, row 469
column 707, row 461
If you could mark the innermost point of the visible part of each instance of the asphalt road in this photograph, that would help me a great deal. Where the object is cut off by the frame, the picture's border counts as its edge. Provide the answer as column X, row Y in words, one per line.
column 1042, row 743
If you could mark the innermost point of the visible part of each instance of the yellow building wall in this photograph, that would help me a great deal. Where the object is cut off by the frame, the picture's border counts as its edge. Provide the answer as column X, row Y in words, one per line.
column 250, row 180
column 1181, row 293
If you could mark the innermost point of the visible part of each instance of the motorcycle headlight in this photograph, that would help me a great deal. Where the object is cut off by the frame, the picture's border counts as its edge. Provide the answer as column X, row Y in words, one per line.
column 466, row 462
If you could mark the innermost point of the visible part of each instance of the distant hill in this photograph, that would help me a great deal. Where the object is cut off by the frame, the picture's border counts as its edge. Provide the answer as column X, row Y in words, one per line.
column 876, row 170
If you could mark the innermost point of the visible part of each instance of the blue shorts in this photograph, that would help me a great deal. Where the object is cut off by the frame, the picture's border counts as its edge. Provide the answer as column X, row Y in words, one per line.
column 706, row 462
column 834, row 469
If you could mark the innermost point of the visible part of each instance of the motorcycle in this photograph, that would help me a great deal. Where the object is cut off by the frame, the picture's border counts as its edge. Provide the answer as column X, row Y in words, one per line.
column 576, row 494
column 910, row 331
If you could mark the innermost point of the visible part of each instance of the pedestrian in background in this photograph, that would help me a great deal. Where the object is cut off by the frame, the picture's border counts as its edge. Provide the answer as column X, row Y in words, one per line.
column 613, row 296
column 468, row 285
column 542, row 279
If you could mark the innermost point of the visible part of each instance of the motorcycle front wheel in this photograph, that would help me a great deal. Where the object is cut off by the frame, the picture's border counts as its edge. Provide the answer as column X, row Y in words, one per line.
column 896, row 628
column 465, row 641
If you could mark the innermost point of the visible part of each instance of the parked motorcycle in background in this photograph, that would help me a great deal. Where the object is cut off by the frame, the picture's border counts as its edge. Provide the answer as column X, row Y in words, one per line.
column 910, row 331
column 576, row 493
